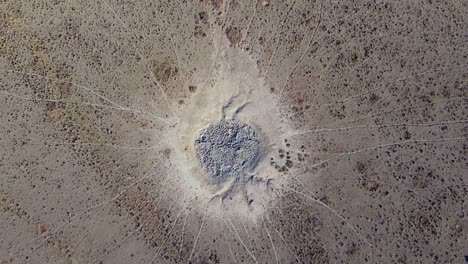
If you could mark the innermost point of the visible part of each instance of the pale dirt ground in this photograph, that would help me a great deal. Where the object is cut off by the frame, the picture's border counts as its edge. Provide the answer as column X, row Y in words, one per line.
column 100, row 102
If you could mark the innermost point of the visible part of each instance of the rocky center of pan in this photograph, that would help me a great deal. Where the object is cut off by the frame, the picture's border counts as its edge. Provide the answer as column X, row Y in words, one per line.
column 228, row 149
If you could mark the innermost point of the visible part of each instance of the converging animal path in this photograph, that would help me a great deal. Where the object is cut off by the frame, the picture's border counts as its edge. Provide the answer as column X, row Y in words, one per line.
column 233, row 131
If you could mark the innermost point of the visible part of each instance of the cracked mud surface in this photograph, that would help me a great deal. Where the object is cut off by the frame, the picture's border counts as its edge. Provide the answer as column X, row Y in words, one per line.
column 361, row 106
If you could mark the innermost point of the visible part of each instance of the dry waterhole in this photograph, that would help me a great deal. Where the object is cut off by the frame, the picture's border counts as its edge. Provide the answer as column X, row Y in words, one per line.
column 233, row 131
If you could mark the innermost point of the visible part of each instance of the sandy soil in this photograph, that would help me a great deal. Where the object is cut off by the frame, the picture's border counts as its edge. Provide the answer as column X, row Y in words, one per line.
column 361, row 107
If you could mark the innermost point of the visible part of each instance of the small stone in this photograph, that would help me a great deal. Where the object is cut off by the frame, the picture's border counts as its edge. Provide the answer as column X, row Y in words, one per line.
column 265, row 3
column 192, row 88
